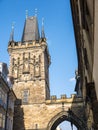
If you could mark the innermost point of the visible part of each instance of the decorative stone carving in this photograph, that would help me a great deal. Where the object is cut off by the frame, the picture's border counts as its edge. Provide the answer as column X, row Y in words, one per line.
column 26, row 66
column 37, row 66
column 15, row 71
column 26, row 57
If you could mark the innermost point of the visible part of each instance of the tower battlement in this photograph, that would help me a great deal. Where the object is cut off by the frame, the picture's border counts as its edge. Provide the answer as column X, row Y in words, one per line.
column 64, row 99
column 13, row 44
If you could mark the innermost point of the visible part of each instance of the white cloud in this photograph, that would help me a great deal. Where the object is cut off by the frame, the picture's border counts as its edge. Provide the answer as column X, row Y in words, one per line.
column 72, row 79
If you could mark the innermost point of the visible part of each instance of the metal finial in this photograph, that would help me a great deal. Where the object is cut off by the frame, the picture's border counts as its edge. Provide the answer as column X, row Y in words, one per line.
column 26, row 14
column 13, row 23
column 36, row 12
column 42, row 31
column 42, row 21
column 12, row 32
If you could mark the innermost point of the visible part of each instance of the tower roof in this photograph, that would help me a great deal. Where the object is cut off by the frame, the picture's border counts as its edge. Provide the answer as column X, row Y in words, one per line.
column 31, row 30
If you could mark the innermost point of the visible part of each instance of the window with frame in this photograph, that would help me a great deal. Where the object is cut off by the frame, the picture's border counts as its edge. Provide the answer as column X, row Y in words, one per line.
column 2, row 120
column 25, row 95
column 3, row 97
column 0, row 93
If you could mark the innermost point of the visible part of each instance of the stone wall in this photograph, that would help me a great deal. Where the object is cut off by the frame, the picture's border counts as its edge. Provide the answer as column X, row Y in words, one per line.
column 38, row 116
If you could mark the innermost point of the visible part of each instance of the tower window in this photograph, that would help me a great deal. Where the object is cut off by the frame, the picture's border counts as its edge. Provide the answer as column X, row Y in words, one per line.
column 2, row 120
column 25, row 96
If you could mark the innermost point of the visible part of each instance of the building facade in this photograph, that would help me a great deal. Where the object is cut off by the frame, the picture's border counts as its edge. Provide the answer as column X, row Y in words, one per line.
column 85, row 21
column 6, row 96
column 10, row 110
column 3, row 94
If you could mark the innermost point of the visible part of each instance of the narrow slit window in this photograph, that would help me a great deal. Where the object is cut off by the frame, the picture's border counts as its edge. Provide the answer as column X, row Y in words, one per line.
column 25, row 96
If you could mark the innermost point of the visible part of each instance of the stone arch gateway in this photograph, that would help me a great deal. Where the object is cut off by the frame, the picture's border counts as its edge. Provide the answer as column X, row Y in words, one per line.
column 66, row 116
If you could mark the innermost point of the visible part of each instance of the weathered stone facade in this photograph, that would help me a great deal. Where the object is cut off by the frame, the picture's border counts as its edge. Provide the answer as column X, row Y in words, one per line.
column 85, row 20
column 43, row 115
column 29, row 67
column 35, row 108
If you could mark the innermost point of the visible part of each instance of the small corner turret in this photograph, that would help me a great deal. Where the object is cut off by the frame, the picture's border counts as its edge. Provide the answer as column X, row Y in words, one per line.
column 43, row 38
column 11, row 40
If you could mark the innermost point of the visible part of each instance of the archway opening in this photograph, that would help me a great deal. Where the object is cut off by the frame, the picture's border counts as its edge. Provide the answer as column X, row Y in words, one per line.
column 75, row 123
column 65, row 122
column 66, row 125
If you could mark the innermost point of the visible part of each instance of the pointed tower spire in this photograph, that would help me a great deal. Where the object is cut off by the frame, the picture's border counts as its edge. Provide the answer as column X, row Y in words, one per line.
column 31, row 30
column 42, row 31
column 12, row 33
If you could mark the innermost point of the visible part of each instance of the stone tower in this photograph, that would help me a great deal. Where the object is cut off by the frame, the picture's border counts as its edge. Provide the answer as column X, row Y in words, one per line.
column 29, row 64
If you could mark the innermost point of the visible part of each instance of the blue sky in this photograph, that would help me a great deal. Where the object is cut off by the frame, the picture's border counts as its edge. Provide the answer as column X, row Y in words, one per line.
column 59, row 32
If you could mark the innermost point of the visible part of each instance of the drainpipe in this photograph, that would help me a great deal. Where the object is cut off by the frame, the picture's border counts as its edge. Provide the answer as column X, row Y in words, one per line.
column 6, row 110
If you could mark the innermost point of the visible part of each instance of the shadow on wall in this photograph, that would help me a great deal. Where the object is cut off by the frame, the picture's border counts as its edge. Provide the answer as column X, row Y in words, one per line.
column 83, row 114
column 77, row 114
column 18, row 123
column 91, row 99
